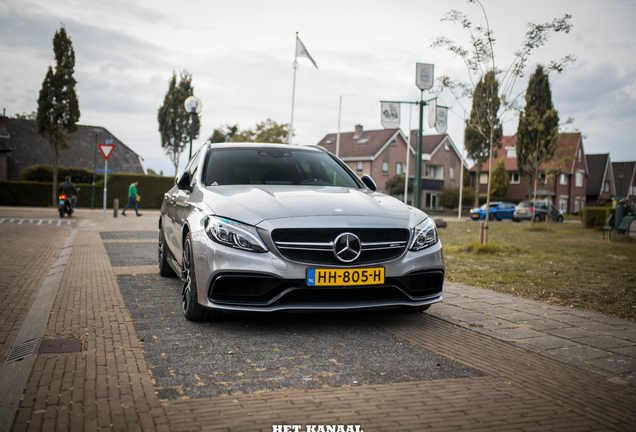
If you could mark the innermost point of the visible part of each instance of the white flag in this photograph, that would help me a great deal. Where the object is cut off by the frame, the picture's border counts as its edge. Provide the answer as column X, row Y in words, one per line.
column 390, row 115
column 432, row 112
column 442, row 119
column 301, row 51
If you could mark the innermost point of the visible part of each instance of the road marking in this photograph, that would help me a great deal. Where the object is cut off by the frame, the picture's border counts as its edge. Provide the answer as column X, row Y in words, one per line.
column 49, row 222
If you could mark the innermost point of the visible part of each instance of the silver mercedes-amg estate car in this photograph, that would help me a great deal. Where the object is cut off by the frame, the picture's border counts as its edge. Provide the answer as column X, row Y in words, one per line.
column 266, row 227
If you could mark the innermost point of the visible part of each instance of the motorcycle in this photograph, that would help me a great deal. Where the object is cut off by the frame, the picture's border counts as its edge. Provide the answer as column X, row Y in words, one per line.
column 65, row 206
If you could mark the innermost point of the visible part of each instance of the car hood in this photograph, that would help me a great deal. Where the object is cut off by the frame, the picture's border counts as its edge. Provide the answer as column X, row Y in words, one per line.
column 254, row 204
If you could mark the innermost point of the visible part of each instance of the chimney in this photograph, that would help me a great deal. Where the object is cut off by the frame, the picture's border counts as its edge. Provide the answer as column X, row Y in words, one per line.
column 358, row 132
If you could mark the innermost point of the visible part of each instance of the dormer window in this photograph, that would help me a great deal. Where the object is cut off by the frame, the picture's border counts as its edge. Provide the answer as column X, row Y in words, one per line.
column 511, row 153
column 364, row 140
column 330, row 141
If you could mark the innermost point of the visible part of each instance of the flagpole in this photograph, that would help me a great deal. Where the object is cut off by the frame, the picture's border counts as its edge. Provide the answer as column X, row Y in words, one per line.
column 291, row 124
column 408, row 153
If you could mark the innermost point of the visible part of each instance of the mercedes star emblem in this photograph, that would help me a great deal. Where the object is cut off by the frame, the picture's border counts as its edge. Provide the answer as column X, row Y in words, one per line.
column 347, row 247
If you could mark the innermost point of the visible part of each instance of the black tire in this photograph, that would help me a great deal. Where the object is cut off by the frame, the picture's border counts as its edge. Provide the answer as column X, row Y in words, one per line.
column 164, row 268
column 492, row 216
column 61, row 211
column 414, row 309
column 192, row 310
column 560, row 218
column 537, row 218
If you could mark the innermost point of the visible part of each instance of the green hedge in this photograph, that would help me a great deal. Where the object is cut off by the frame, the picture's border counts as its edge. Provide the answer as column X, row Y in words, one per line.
column 596, row 216
column 38, row 194
column 44, row 173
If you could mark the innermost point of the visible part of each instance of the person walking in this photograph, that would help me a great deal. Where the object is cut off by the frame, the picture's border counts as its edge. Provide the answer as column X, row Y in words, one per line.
column 132, row 198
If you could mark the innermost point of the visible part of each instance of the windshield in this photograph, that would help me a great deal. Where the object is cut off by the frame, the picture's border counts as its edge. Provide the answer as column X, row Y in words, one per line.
column 272, row 166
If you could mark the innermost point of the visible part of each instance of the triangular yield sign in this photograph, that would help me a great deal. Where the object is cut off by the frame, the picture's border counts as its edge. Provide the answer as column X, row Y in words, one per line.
column 106, row 149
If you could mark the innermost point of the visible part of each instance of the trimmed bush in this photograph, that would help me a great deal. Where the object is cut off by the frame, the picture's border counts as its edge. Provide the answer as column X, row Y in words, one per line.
column 151, row 189
column 596, row 216
column 44, row 173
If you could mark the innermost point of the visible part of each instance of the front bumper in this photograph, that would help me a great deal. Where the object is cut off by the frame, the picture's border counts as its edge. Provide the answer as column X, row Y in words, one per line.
column 231, row 279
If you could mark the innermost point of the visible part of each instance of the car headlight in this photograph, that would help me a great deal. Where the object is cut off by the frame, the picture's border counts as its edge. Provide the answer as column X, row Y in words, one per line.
column 424, row 235
column 234, row 234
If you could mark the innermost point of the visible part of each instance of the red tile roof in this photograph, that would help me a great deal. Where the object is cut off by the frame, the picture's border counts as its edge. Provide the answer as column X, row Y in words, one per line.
column 566, row 150
column 349, row 146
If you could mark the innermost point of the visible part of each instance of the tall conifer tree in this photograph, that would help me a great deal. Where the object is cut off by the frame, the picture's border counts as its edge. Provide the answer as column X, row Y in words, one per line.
column 483, row 130
column 538, row 130
column 58, row 106
column 174, row 120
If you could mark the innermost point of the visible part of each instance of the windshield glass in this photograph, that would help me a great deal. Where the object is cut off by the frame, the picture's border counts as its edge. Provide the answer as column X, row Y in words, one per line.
column 271, row 166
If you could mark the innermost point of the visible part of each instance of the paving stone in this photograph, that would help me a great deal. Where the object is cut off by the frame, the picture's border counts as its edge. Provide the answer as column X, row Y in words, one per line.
column 604, row 342
column 570, row 333
column 580, row 353
column 617, row 364
column 549, row 342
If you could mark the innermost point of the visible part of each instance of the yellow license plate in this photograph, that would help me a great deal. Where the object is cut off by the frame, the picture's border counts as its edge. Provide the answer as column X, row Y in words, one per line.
column 522, row 211
column 345, row 277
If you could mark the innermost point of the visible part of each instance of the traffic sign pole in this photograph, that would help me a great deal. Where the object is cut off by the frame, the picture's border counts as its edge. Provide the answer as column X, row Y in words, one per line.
column 105, row 185
column 107, row 150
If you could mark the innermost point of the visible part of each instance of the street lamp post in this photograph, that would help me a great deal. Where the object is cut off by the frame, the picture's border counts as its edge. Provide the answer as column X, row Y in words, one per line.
column 338, row 134
column 96, row 132
column 192, row 105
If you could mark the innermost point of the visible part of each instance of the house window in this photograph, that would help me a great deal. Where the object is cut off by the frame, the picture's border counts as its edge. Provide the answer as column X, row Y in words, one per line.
column 483, row 178
column 385, row 167
column 364, row 140
column 607, row 186
column 511, row 153
column 393, row 142
column 399, row 168
column 543, row 179
column 632, row 190
column 430, row 171
column 579, row 180
column 577, row 201
column 563, row 204
column 451, row 172
column 329, row 141
column 563, row 179
column 514, row 178
column 578, row 155
column 446, row 147
column 359, row 166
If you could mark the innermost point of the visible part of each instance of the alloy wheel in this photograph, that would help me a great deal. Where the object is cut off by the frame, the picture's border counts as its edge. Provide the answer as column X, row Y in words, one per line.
column 186, row 276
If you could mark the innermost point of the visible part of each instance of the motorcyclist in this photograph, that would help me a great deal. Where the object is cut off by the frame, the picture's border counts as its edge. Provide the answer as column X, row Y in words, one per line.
column 67, row 188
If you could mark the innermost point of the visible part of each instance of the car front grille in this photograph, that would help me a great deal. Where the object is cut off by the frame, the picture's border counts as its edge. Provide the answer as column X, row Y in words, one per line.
column 315, row 246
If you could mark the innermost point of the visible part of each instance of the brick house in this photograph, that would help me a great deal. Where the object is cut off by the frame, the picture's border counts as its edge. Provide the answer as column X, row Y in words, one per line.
column 600, row 184
column 625, row 181
column 21, row 146
column 381, row 154
column 563, row 181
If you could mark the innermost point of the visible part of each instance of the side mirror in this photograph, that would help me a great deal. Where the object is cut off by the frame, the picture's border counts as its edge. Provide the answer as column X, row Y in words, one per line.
column 183, row 180
column 368, row 182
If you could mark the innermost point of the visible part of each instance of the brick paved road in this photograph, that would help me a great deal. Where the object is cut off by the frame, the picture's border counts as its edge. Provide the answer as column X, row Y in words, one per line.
column 110, row 386
column 27, row 255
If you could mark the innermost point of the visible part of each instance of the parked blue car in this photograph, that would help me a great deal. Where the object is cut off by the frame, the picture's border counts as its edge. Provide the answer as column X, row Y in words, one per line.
column 498, row 210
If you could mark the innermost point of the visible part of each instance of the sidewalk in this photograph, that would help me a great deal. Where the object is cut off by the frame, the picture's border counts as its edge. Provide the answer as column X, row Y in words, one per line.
column 534, row 366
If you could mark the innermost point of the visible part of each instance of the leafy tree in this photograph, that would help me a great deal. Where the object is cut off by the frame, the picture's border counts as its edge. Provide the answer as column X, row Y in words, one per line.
column 480, row 60
column 267, row 131
column 483, row 129
column 58, row 107
column 500, row 181
column 449, row 196
column 538, row 130
column 218, row 136
column 33, row 115
column 395, row 185
column 174, row 120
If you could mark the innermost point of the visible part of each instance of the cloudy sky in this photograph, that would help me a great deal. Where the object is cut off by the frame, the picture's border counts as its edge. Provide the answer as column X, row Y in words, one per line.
column 240, row 54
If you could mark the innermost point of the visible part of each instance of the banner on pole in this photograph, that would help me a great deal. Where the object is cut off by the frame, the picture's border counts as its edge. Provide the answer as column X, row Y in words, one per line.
column 390, row 115
column 442, row 119
column 424, row 75
column 432, row 112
